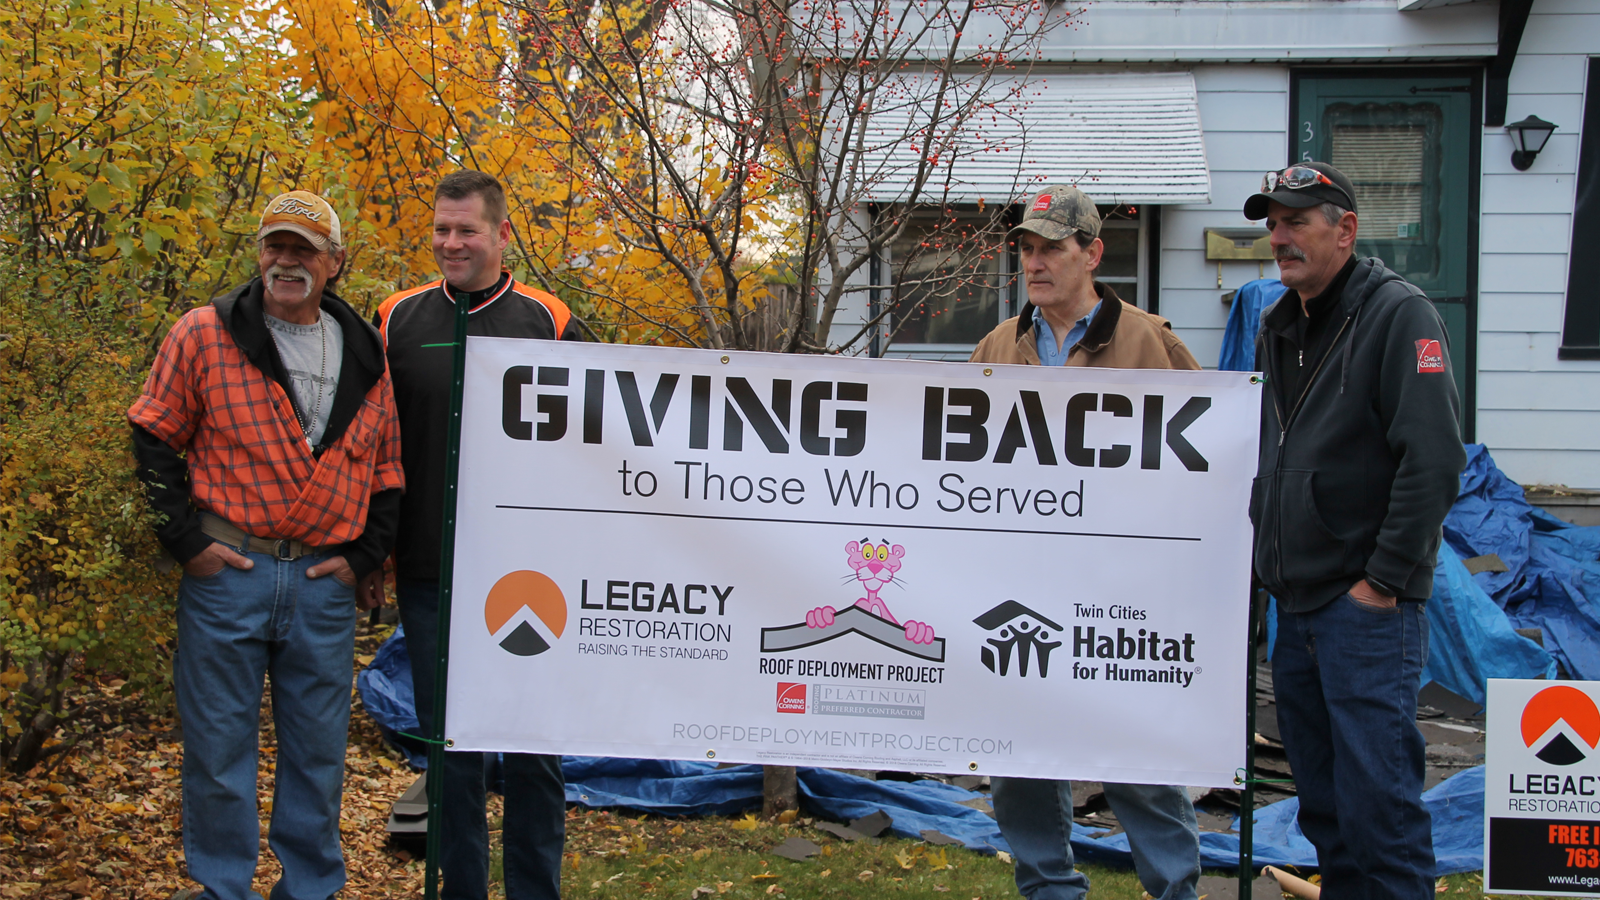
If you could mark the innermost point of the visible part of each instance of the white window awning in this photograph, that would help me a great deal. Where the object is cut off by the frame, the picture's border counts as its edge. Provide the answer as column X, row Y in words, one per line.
column 1131, row 137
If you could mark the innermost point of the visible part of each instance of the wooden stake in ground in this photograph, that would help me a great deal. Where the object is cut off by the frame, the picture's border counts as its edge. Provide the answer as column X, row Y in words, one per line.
column 1290, row 884
column 780, row 790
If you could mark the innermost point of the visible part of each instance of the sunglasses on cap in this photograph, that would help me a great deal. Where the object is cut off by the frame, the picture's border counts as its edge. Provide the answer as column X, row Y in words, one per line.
column 1294, row 178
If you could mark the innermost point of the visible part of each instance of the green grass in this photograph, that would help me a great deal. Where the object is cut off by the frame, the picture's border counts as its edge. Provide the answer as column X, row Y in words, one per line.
column 626, row 855
column 730, row 858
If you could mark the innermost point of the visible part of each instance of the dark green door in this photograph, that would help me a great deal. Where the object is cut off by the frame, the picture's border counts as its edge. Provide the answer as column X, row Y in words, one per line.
column 1406, row 144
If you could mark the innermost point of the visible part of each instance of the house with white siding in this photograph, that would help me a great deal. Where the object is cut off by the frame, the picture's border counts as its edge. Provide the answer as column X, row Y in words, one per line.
column 1168, row 112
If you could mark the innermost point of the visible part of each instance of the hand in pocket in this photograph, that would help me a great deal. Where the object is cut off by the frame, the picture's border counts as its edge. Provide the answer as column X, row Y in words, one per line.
column 1367, row 595
column 211, row 560
column 337, row 567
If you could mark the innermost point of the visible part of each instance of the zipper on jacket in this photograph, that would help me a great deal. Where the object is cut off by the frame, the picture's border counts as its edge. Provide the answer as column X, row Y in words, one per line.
column 1283, row 432
column 1283, row 423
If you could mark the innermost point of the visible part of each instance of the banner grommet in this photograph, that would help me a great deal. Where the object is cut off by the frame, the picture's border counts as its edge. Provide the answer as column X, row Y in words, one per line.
column 711, row 754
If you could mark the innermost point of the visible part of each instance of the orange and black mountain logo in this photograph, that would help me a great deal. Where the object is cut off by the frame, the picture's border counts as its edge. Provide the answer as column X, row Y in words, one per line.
column 1554, row 706
column 525, row 598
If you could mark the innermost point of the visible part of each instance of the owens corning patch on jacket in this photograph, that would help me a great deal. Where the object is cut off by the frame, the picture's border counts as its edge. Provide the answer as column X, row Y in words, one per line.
column 1430, row 356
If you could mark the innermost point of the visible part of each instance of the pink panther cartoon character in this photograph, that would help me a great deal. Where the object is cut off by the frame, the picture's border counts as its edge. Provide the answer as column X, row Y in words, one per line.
column 875, row 566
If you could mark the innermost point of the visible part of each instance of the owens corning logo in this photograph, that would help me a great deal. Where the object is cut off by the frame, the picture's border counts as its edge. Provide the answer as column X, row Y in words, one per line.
column 1553, row 706
column 791, row 697
column 531, row 591
column 294, row 206
column 1430, row 356
column 1041, row 203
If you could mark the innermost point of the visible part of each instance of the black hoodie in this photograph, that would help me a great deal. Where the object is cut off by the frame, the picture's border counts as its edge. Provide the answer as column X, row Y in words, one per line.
column 1359, row 468
column 166, row 473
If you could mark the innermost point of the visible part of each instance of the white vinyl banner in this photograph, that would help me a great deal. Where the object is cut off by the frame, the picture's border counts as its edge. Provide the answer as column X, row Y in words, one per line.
column 887, row 564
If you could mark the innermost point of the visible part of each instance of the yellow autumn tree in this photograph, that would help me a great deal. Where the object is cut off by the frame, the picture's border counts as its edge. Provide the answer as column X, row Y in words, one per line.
column 140, row 139
column 619, row 203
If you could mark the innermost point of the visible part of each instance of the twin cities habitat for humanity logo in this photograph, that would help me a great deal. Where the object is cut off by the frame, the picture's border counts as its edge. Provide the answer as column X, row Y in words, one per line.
column 531, row 601
column 1555, row 706
column 1021, row 631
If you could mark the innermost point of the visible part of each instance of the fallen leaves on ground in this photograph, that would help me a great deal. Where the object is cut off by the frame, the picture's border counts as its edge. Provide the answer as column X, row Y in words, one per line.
column 106, row 822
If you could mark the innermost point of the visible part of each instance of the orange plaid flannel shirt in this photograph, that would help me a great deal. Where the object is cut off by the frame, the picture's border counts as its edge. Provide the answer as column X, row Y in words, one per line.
column 248, row 458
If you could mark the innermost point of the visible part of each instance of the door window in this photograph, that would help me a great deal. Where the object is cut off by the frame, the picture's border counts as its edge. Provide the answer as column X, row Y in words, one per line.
column 1406, row 145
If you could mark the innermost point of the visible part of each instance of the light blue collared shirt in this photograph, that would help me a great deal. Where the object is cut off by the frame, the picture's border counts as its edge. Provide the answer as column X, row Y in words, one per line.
column 1048, row 353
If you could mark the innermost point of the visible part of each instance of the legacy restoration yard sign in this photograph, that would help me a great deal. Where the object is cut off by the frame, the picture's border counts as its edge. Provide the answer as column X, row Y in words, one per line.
column 809, row 560
column 1542, row 788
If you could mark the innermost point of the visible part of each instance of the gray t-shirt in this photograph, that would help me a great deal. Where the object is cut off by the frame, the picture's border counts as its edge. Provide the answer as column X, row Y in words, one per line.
column 312, row 354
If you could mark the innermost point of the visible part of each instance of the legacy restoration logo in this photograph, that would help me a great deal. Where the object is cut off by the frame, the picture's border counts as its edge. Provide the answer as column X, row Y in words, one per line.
column 1555, row 706
column 534, row 603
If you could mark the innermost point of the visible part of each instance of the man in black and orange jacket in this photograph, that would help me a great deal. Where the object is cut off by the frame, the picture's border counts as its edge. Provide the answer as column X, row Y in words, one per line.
column 470, row 234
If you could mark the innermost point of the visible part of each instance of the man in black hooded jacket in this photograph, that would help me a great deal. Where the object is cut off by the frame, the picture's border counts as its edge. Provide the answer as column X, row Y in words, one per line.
column 1360, row 461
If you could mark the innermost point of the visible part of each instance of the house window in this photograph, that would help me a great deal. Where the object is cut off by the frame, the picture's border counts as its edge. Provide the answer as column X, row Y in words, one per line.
column 954, row 277
column 1580, row 332
column 1122, row 266
column 948, row 270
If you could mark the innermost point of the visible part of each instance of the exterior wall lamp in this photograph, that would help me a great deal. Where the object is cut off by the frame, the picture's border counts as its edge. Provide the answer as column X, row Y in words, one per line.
column 1529, row 137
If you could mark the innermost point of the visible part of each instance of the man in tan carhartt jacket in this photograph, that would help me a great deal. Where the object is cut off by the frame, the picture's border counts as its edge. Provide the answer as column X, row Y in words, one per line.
column 1072, row 320
column 1105, row 331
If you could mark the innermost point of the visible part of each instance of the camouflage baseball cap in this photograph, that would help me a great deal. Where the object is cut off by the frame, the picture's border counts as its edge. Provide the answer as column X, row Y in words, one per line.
column 1058, row 211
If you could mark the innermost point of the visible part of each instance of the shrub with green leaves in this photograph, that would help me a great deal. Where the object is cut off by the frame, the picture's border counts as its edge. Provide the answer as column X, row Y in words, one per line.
column 81, row 599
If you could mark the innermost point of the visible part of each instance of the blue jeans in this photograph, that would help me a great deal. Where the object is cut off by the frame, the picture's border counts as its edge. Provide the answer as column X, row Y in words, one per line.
column 535, row 826
column 234, row 629
column 1346, row 677
column 1035, row 815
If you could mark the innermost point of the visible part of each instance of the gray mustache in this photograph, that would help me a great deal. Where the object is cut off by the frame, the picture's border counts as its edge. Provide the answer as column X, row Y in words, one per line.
column 294, row 271
column 1290, row 253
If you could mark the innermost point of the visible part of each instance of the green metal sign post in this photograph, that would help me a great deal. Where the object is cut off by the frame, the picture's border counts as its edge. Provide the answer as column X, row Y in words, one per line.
column 447, row 554
column 1247, row 783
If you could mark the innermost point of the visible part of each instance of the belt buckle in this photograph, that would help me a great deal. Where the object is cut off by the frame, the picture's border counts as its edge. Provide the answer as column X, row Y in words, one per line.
column 282, row 550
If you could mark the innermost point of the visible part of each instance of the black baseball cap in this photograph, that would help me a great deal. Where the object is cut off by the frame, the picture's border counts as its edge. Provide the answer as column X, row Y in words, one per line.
column 1340, row 193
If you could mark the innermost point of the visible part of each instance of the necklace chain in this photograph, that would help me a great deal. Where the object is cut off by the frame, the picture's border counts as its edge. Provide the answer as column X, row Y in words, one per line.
column 322, row 377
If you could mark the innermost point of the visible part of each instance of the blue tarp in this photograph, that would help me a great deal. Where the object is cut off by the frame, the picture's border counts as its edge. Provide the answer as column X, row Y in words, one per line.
column 386, row 692
column 1244, row 320
column 673, row 788
column 692, row 788
column 1470, row 639
column 1553, row 584
column 1553, row 577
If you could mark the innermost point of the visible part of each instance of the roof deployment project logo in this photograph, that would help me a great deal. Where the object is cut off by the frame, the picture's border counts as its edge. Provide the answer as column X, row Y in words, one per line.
column 534, row 603
column 1553, row 707
column 873, row 567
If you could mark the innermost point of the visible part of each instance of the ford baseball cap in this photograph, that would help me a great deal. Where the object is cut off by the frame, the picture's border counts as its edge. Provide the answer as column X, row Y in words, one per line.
column 1302, row 185
column 1057, row 212
column 305, row 214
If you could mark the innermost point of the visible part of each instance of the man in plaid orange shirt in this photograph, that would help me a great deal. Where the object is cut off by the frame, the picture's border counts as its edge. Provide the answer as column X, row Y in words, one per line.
column 266, row 436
